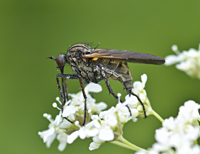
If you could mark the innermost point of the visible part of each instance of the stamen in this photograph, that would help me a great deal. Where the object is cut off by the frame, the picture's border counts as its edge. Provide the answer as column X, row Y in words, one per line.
column 119, row 95
column 55, row 106
column 58, row 99
column 175, row 49
column 48, row 116
column 77, row 124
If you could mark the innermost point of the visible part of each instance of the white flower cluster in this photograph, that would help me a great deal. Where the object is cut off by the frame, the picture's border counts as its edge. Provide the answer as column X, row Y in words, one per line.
column 189, row 61
column 101, row 126
column 178, row 135
column 138, row 89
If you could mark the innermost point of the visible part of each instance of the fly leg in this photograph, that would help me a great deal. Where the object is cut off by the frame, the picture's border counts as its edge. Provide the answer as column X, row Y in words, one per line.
column 109, row 87
column 85, row 103
column 72, row 76
column 60, row 60
column 145, row 115
column 64, row 91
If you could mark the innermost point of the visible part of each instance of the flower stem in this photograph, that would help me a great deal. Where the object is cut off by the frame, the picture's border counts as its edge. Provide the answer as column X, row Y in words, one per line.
column 157, row 115
column 128, row 145
column 123, row 145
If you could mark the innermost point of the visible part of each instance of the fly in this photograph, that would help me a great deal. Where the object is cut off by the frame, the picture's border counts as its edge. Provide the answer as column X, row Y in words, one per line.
column 94, row 65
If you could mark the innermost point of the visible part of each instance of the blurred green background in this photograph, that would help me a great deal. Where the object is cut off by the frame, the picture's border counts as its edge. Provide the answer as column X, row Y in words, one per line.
column 33, row 30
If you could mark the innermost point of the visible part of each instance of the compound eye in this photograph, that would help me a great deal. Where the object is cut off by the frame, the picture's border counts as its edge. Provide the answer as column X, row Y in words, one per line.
column 60, row 60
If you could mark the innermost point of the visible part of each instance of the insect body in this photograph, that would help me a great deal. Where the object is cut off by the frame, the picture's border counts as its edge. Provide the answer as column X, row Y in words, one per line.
column 90, row 68
column 94, row 65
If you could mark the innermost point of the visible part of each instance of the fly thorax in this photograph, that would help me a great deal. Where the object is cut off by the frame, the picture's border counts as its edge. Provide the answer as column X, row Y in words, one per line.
column 83, row 67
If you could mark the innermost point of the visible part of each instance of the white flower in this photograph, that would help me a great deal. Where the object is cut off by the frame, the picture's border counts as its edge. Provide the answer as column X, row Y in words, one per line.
column 139, row 86
column 169, row 124
column 78, row 100
column 69, row 110
column 124, row 114
column 94, row 128
column 98, row 107
column 101, row 126
column 189, row 112
column 109, row 117
column 105, row 131
column 89, row 130
column 71, row 138
column 133, row 102
column 189, row 61
column 48, row 136
column 62, row 138
column 162, row 135
column 96, row 143
column 178, row 135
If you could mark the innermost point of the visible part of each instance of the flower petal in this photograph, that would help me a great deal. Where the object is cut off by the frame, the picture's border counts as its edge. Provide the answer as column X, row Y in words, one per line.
column 144, row 79
column 171, row 59
column 69, row 110
column 106, row 134
column 62, row 146
column 93, row 87
column 71, row 138
column 94, row 145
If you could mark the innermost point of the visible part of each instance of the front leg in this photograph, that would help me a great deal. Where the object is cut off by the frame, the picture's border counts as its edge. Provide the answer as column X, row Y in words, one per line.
column 62, row 93
column 85, row 103
column 64, row 90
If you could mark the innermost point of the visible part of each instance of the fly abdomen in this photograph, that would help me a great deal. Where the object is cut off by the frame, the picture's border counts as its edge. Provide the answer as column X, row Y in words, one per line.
column 117, row 70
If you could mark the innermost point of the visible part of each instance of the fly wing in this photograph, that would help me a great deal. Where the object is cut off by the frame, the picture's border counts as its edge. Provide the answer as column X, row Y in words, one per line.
column 128, row 56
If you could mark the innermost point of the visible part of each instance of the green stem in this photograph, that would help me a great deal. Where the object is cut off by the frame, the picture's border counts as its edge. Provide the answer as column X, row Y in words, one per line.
column 122, row 145
column 157, row 115
column 127, row 143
